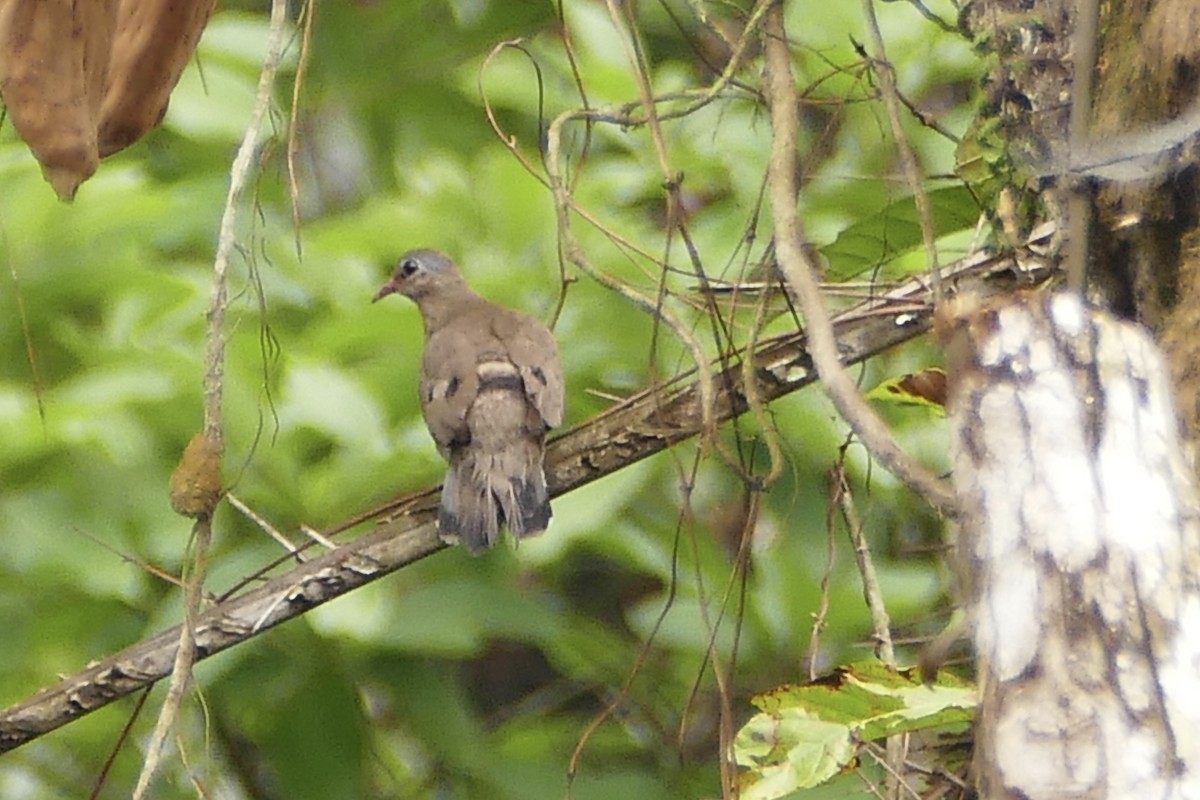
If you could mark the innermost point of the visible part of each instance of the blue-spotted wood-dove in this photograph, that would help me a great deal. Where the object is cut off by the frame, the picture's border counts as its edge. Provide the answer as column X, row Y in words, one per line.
column 491, row 386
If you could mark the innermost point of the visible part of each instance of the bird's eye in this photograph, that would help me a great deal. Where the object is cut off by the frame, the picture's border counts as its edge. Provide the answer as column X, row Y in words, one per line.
column 408, row 266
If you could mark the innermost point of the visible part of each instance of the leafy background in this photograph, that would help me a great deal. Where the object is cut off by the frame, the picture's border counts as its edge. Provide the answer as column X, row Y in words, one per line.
column 457, row 677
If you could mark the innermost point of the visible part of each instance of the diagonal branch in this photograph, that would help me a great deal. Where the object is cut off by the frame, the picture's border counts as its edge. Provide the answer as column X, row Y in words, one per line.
column 634, row 429
column 800, row 273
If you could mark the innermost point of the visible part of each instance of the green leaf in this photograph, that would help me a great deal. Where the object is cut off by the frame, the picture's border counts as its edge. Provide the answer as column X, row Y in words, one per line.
column 877, row 240
column 791, row 750
column 926, row 388
column 804, row 735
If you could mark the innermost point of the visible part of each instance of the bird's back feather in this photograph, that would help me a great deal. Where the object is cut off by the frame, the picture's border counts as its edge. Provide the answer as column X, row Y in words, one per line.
column 496, row 474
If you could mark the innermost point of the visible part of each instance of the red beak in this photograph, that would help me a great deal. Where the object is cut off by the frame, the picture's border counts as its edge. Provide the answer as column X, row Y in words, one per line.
column 388, row 288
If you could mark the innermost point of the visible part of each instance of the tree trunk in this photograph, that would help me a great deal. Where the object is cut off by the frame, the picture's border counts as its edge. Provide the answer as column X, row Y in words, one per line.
column 1079, row 535
column 1080, row 548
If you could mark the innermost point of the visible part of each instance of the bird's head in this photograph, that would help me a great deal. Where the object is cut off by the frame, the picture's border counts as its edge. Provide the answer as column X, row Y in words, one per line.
column 420, row 273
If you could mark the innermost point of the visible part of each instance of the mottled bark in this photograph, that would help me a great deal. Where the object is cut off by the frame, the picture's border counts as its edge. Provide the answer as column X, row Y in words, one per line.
column 1138, row 166
column 1080, row 548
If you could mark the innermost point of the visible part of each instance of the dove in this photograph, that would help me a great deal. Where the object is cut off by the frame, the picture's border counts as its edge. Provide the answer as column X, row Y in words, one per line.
column 491, row 386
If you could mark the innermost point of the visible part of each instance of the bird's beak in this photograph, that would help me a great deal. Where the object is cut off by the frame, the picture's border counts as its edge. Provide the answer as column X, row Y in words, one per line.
column 388, row 288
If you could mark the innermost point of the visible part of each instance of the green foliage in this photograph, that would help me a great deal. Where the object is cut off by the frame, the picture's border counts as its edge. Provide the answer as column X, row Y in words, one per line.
column 457, row 677
column 880, row 240
column 806, row 735
column 925, row 389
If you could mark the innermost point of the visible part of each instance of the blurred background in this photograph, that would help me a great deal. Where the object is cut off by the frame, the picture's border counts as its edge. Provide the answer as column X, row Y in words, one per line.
column 456, row 677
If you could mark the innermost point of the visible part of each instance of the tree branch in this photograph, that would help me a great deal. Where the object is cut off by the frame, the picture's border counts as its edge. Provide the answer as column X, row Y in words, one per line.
column 214, row 386
column 638, row 427
column 797, row 268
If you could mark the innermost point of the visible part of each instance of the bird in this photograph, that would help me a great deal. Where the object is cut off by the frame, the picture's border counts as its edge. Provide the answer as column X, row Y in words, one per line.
column 491, row 386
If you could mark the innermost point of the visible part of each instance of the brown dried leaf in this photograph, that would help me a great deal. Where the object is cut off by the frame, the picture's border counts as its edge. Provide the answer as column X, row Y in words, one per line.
column 154, row 41
column 46, row 48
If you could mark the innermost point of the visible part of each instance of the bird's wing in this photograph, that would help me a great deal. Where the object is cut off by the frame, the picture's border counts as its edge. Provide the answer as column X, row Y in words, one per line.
column 449, row 385
column 531, row 347
column 472, row 349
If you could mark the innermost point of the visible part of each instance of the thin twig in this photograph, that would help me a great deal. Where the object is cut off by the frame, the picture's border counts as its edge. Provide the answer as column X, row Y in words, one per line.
column 912, row 172
column 201, row 792
column 27, row 336
column 898, row 784
column 822, row 613
column 929, row 15
column 638, row 68
column 508, row 139
column 145, row 566
column 265, row 526
column 737, row 577
column 181, row 671
column 1079, row 206
column 101, row 778
column 622, row 116
column 800, row 274
column 316, row 536
column 926, row 119
column 643, row 653
column 293, row 143
column 872, row 592
column 757, row 406
column 712, row 627
column 213, row 388
column 574, row 254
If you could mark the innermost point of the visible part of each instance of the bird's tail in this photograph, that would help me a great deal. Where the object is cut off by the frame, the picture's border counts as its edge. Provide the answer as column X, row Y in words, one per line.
column 521, row 492
column 467, row 515
column 484, row 489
